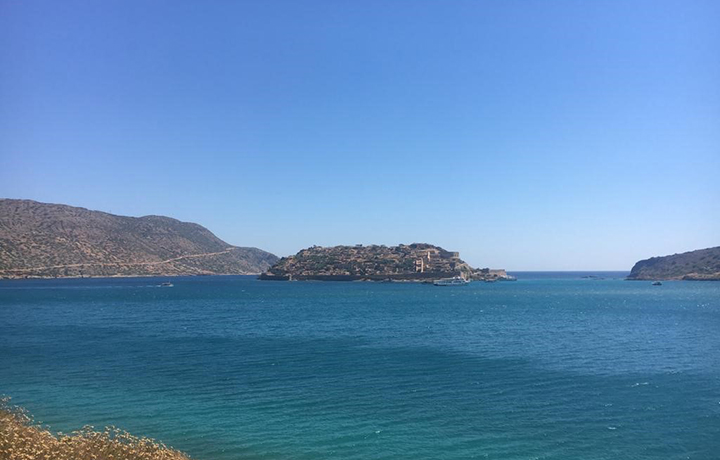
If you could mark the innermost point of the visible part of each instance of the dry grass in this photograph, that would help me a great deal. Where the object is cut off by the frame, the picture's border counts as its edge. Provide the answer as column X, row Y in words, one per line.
column 20, row 439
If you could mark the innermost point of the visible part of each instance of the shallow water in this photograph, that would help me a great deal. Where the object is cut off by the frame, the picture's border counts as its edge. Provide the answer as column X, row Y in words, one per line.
column 553, row 366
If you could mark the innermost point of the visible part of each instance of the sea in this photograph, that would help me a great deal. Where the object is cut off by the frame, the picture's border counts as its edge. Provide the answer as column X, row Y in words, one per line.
column 551, row 366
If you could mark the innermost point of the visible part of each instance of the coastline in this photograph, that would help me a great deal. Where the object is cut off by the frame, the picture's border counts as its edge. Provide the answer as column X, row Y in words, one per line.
column 175, row 275
column 393, row 277
column 684, row 278
column 21, row 437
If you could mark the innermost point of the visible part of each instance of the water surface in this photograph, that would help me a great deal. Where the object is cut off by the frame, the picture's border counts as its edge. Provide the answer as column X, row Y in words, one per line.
column 553, row 366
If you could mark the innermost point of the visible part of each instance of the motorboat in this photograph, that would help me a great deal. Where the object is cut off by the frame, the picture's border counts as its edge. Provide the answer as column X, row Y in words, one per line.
column 455, row 281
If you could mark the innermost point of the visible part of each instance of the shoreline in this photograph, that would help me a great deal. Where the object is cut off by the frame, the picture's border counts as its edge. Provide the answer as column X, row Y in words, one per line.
column 684, row 278
column 193, row 275
column 23, row 438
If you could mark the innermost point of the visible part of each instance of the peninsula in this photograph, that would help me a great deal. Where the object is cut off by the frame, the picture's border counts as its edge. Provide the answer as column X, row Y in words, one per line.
column 39, row 240
column 411, row 262
column 700, row 265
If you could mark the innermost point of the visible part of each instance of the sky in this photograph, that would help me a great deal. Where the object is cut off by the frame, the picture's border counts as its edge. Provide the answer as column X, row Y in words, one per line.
column 528, row 135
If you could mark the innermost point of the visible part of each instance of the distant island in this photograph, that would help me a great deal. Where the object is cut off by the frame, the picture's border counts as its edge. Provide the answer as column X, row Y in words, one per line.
column 39, row 240
column 411, row 262
column 700, row 265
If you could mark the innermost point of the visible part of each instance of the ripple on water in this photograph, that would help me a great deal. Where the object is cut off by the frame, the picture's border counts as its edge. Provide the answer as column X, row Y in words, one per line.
column 228, row 368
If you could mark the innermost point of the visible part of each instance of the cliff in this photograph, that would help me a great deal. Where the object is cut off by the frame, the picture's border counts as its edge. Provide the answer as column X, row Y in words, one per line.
column 413, row 262
column 51, row 240
column 700, row 265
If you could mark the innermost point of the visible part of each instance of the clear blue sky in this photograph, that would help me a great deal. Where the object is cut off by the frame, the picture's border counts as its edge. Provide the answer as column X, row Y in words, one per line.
column 524, row 134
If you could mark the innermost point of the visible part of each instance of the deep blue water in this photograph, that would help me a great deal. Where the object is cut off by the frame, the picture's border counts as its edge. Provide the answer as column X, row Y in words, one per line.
column 553, row 366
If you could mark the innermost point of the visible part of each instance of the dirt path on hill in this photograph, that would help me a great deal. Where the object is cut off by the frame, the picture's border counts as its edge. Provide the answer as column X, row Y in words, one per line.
column 115, row 264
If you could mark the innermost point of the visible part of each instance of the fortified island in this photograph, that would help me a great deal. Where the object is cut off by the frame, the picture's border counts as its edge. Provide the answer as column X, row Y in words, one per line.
column 418, row 262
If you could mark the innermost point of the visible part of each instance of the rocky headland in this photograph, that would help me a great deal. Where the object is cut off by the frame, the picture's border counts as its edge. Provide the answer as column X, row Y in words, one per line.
column 411, row 262
column 700, row 265
column 39, row 240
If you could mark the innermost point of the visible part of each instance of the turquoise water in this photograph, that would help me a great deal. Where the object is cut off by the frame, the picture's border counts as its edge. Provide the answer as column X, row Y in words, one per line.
column 553, row 366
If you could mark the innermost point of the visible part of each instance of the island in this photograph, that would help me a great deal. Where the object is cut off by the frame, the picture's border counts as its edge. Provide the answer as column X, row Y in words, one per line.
column 700, row 265
column 42, row 240
column 418, row 262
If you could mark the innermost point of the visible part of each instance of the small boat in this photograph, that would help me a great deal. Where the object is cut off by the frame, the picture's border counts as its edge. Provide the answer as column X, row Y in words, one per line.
column 166, row 284
column 657, row 283
column 455, row 281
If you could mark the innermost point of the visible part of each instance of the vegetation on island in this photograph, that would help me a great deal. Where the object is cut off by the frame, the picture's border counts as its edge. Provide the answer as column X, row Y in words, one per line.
column 51, row 240
column 21, row 439
column 405, row 262
column 700, row 265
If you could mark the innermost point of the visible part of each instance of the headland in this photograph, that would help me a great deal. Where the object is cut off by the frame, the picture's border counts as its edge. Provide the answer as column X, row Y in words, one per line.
column 41, row 240
column 700, row 265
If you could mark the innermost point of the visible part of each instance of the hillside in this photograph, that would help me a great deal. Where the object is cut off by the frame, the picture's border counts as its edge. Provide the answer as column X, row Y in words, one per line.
column 414, row 262
column 702, row 265
column 51, row 240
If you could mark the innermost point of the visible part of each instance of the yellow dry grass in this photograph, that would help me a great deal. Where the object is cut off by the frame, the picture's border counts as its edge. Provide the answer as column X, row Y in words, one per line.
column 20, row 439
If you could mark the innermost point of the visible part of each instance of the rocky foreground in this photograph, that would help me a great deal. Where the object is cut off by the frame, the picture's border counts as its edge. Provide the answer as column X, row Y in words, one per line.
column 700, row 265
column 39, row 240
column 413, row 262
column 21, row 439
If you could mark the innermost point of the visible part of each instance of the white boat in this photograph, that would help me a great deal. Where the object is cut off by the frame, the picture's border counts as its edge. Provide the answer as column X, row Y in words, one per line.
column 456, row 281
column 166, row 284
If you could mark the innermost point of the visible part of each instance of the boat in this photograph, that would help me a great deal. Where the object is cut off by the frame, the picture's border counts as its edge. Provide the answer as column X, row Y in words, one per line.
column 455, row 281
column 657, row 283
column 166, row 284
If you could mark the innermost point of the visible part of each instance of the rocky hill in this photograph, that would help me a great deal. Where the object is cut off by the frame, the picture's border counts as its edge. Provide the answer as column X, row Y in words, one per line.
column 702, row 265
column 413, row 262
column 51, row 240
